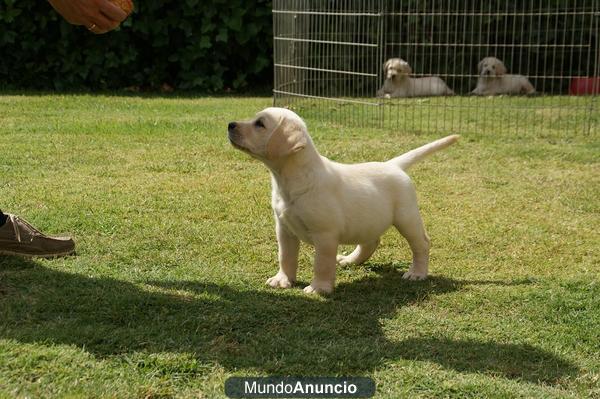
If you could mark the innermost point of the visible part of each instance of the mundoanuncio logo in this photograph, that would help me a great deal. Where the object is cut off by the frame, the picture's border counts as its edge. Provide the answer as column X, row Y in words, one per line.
column 299, row 387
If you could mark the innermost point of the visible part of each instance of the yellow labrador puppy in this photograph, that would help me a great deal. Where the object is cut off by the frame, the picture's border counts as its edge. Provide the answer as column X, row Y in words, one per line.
column 493, row 80
column 326, row 203
column 398, row 82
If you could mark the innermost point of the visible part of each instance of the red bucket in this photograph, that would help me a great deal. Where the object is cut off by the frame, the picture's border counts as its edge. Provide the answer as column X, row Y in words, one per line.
column 584, row 86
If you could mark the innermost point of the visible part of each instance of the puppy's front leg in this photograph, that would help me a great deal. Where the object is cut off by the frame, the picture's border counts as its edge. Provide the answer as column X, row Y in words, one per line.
column 288, row 257
column 324, row 272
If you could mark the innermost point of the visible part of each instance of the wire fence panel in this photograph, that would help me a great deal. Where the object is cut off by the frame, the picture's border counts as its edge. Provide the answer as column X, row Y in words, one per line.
column 425, row 65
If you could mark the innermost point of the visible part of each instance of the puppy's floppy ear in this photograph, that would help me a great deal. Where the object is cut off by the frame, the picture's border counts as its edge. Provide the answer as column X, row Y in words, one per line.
column 386, row 65
column 287, row 138
column 500, row 68
column 480, row 66
column 406, row 67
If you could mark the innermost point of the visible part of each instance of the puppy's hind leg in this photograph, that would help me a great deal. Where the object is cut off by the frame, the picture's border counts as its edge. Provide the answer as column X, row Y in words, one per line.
column 410, row 225
column 360, row 254
column 527, row 88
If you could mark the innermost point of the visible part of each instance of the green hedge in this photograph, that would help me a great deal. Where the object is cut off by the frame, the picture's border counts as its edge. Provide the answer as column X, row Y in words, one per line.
column 205, row 45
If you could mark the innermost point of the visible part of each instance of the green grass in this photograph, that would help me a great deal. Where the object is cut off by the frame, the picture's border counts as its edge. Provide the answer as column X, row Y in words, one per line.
column 175, row 237
column 463, row 114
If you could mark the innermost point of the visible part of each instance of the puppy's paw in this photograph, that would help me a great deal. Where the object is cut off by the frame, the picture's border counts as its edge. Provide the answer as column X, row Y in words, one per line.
column 279, row 280
column 319, row 288
column 343, row 260
column 414, row 275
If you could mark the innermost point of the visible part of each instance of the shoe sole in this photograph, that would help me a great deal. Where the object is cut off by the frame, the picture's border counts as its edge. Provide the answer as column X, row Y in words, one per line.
column 45, row 256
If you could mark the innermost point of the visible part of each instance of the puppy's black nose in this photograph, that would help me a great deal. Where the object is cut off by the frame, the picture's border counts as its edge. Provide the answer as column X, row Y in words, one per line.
column 231, row 126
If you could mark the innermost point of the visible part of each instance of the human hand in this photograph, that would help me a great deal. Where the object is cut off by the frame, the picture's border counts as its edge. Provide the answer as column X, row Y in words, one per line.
column 99, row 16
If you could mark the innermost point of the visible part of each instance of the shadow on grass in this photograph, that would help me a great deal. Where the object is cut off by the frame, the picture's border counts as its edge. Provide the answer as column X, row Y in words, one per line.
column 270, row 331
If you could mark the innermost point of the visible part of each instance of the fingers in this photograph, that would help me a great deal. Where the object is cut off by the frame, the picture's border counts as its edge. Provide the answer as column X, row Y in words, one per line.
column 99, row 16
column 101, row 24
column 107, row 17
column 112, row 12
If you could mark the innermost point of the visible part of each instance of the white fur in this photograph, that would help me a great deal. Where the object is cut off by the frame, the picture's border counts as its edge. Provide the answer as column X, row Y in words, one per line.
column 493, row 80
column 326, row 203
column 398, row 82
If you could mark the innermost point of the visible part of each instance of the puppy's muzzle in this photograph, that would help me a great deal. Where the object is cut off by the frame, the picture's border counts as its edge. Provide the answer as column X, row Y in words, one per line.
column 234, row 136
column 231, row 132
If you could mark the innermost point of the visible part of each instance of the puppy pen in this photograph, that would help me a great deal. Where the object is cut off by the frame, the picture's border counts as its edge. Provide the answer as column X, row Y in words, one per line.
column 329, row 57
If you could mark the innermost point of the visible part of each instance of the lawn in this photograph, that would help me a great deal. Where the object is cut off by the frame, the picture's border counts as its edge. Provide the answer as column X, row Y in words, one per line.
column 175, row 239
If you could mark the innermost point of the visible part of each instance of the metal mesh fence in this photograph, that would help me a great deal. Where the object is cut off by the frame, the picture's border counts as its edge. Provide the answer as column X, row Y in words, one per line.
column 330, row 55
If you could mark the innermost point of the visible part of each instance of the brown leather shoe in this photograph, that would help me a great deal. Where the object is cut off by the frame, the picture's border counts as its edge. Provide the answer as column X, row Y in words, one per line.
column 17, row 237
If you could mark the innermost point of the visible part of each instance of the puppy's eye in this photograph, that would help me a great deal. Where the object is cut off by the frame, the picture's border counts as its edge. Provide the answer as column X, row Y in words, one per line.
column 493, row 66
column 259, row 123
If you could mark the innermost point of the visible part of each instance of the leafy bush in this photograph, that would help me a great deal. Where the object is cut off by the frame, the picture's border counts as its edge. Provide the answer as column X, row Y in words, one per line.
column 207, row 45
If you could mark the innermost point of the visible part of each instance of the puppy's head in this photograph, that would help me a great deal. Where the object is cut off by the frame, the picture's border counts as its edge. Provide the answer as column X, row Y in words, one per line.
column 490, row 67
column 273, row 134
column 396, row 67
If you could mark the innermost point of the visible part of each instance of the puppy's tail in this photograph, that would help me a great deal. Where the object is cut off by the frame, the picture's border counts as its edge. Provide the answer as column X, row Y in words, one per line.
column 406, row 160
